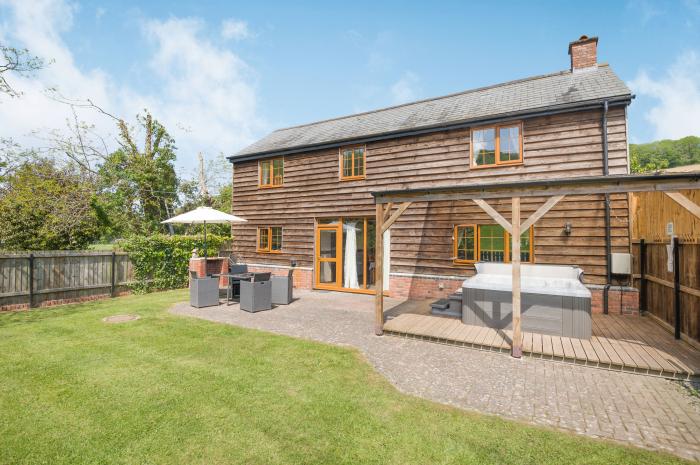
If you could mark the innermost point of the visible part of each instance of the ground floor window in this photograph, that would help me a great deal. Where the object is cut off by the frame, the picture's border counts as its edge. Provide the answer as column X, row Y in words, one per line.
column 488, row 243
column 269, row 239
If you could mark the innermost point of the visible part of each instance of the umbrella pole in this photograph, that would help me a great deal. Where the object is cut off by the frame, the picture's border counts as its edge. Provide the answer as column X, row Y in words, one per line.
column 205, row 240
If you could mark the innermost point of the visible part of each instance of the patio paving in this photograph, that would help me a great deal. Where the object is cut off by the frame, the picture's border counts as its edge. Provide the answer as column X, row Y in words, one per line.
column 643, row 411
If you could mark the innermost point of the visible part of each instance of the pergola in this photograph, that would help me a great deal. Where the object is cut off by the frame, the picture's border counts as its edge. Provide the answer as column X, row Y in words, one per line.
column 554, row 189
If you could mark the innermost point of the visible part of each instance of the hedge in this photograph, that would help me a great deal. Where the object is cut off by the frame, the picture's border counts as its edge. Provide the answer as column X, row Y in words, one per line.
column 162, row 262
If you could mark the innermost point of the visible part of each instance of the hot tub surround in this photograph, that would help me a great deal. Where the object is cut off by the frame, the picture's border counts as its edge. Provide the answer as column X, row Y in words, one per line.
column 554, row 299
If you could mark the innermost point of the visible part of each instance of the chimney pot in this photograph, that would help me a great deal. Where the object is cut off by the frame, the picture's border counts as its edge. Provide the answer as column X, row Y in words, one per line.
column 584, row 53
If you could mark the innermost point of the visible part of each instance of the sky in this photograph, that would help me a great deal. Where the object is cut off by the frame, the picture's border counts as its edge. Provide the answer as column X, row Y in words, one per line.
column 220, row 75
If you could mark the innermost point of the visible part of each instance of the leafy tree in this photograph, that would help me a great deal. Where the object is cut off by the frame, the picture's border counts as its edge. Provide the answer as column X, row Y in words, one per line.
column 138, row 185
column 664, row 154
column 18, row 61
column 47, row 207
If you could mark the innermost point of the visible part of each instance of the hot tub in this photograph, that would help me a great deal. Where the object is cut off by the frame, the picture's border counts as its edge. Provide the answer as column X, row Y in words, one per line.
column 553, row 299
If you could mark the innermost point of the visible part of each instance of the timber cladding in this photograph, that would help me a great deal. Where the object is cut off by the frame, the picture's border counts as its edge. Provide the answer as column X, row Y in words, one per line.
column 564, row 145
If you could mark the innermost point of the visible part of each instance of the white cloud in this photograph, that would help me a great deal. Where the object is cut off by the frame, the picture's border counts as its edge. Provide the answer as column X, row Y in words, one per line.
column 676, row 111
column 234, row 29
column 405, row 89
column 206, row 96
column 206, row 88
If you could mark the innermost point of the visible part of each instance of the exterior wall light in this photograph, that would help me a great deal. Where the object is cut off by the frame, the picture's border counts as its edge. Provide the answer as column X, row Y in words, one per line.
column 567, row 228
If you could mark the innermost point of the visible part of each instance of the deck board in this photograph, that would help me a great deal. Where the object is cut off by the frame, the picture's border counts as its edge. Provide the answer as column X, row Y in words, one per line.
column 629, row 343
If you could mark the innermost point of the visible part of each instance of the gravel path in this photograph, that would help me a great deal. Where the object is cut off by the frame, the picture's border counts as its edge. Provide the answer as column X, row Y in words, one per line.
column 640, row 410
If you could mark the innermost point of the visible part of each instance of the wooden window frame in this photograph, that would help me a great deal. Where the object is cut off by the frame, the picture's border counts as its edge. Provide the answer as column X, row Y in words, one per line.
column 497, row 146
column 272, row 184
column 477, row 246
column 455, row 243
column 508, row 258
column 364, row 162
column 269, row 239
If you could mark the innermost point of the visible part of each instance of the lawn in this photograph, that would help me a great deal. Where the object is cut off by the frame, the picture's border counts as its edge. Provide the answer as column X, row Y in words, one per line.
column 176, row 390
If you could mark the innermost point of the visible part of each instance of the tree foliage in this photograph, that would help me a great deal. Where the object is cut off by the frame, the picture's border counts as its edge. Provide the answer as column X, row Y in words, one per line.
column 664, row 154
column 138, row 185
column 46, row 207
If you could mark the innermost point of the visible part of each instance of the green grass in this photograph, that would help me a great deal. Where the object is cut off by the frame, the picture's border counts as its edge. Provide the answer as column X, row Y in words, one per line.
column 169, row 389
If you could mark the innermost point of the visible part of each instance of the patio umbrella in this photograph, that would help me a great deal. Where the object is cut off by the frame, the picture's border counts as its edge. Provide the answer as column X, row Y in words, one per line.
column 204, row 215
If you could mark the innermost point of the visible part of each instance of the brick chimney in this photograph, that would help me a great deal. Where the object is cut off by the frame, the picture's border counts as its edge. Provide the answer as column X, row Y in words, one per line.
column 583, row 53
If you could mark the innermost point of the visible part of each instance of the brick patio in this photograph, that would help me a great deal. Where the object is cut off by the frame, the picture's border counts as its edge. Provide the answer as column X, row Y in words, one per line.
column 643, row 411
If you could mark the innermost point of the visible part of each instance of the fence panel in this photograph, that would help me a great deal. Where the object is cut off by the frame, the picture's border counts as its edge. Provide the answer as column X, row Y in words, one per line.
column 59, row 277
column 658, row 284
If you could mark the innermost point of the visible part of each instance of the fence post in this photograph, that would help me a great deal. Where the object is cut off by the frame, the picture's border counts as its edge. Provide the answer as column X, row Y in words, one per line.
column 113, row 283
column 31, row 280
column 677, row 288
column 642, row 275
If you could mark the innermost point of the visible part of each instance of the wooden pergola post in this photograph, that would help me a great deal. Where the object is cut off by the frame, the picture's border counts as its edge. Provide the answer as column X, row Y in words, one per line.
column 379, row 270
column 384, row 221
column 517, row 347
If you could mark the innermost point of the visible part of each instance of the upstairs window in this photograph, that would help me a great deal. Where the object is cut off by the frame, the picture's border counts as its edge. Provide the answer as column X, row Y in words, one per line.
column 269, row 239
column 271, row 172
column 352, row 163
column 497, row 145
column 488, row 243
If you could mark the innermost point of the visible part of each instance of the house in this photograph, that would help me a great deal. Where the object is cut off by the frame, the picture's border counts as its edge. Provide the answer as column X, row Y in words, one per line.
column 306, row 190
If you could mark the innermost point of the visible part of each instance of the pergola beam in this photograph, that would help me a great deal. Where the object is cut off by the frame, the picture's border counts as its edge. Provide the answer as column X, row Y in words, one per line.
column 685, row 202
column 547, row 188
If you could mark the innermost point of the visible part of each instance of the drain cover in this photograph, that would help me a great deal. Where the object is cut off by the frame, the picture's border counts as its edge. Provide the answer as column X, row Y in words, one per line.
column 120, row 318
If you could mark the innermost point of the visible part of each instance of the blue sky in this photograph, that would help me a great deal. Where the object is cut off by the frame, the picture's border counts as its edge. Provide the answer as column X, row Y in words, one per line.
column 221, row 74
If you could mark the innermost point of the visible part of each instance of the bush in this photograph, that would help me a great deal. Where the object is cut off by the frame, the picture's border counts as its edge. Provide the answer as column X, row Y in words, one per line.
column 162, row 262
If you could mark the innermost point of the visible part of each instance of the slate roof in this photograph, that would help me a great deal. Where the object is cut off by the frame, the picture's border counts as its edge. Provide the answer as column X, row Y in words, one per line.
column 539, row 93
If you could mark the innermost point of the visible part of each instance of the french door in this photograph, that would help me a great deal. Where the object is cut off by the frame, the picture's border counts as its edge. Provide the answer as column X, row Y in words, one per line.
column 345, row 254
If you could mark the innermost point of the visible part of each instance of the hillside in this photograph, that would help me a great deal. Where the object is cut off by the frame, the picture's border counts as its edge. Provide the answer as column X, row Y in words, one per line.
column 664, row 154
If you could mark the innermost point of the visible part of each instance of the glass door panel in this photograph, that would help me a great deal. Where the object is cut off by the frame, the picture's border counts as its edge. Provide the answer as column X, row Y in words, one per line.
column 327, row 259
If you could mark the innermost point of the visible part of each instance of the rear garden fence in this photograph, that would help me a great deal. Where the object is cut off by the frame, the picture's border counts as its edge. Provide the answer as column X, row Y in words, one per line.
column 669, row 286
column 53, row 277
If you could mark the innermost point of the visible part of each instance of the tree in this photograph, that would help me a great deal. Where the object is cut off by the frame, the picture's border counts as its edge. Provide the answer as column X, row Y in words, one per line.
column 138, row 185
column 212, row 176
column 18, row 61
column 663, row 154
column 47, row 207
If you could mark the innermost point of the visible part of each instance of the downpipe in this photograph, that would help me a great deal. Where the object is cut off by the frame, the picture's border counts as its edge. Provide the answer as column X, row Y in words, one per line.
column 608, row 245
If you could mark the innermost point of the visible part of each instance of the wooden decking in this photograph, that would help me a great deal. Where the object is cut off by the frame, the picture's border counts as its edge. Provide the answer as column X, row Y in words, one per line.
column 622, row 343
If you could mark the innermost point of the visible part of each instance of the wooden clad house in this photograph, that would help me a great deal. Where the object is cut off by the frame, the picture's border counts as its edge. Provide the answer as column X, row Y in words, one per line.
column 305, row 190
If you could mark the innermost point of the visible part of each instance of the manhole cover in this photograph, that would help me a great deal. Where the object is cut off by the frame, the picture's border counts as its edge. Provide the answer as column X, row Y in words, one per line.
column 120, row 318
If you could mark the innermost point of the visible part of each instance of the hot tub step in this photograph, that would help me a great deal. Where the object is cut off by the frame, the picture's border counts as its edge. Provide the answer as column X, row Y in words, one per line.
column 447, row 307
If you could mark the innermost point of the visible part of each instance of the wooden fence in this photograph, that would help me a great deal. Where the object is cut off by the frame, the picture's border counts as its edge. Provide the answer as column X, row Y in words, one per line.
column 47, row 278
column 673, row 297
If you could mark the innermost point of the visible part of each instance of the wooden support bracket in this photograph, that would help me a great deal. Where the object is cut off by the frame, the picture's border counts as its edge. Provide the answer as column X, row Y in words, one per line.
column 685, row 202
column 548, row 205
column 387, row 210
column 402, row 208
column 494, row 214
